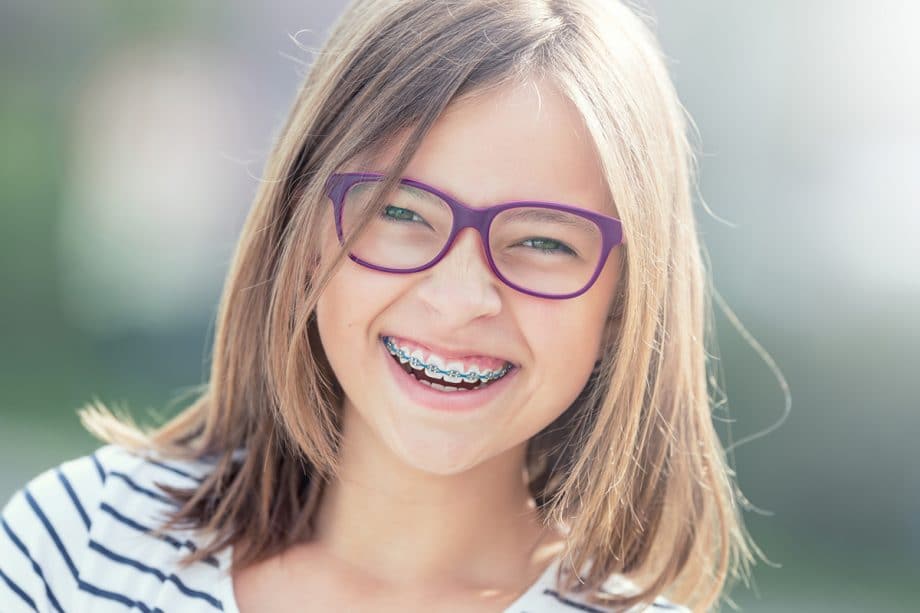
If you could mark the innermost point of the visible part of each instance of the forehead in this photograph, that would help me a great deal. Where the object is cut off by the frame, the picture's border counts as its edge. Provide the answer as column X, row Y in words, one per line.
column 521, row 141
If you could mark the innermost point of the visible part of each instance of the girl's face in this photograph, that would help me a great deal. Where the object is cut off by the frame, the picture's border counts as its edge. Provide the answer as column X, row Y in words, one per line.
column 521, row 142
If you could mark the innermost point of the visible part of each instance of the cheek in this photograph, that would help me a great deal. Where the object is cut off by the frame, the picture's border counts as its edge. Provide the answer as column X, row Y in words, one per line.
column 342, row 315
column 563, row 339
column 348, row 311
column 331, row 320
column 566, row 342
column 341, row 301
column 342, row 306
column 566, row 335
column 566, row 338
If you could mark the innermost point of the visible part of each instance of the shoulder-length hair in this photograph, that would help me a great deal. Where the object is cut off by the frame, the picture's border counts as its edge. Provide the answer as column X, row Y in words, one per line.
column 634, row 468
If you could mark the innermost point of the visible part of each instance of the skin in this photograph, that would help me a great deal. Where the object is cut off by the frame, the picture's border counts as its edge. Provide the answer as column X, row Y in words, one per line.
column 432, row 508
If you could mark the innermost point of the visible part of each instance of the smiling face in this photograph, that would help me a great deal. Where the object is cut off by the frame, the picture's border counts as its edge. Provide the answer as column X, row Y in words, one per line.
column 516, row 142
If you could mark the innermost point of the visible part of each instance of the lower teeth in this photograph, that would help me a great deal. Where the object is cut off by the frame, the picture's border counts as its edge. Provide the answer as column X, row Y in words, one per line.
column 445, row 388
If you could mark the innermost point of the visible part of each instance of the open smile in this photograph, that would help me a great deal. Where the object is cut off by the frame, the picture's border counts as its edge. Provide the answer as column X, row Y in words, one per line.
column 446, row 375
column 454, row 386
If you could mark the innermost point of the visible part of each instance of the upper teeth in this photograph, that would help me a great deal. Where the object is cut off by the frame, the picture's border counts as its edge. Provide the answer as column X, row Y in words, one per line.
column 437, row 367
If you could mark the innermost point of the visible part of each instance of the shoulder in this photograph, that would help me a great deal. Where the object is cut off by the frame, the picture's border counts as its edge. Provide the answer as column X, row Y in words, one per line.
column 553, row 601
column 545, row 597
column 621, row 585
column 82, row 533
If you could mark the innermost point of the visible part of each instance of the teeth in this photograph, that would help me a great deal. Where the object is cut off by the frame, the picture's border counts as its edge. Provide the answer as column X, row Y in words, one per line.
column 416, row 360
column 436, row 361
column 453, row 367
column 456, row 370
column 437, row 386
column 445, row 388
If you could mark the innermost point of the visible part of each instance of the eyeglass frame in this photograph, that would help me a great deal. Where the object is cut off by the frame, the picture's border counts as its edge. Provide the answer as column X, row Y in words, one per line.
column 480, row 219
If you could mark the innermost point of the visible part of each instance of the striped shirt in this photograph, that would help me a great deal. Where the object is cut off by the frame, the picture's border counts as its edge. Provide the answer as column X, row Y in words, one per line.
column 77, row 538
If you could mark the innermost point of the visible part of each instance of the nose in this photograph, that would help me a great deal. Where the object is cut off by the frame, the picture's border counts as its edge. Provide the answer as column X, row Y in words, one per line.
column 461, row 287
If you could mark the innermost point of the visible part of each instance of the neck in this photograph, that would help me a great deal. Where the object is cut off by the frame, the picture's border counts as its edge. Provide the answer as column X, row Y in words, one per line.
column 401, row 525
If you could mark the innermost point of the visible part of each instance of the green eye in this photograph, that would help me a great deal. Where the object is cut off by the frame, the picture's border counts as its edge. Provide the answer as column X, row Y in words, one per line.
column 547, row 245
column 399, row 213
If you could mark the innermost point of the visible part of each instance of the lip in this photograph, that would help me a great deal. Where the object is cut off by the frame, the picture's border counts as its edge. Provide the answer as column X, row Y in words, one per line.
column 448, row 402
column 447, row 353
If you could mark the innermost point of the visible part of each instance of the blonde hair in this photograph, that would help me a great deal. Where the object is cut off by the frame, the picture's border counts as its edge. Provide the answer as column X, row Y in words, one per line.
column 634, row 468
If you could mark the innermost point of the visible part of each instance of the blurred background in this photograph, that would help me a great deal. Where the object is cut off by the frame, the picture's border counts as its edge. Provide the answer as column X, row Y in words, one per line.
column 133, row 134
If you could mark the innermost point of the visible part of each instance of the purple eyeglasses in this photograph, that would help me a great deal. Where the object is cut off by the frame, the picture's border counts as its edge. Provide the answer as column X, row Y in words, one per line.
column 543, row 249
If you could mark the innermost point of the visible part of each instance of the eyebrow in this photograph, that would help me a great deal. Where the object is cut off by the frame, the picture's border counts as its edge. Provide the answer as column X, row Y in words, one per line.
column 549, row 216
column 412, row 191
column 417, row 192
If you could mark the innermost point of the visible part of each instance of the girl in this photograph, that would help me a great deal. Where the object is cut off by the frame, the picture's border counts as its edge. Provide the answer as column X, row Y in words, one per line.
column 459, row 362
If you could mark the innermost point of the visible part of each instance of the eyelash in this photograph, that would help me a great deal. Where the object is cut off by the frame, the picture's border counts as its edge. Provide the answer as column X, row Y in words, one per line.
column 563, row 248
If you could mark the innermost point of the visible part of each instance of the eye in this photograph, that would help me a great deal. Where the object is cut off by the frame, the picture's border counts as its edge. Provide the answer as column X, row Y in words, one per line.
column 548, row 245
column 396, row 213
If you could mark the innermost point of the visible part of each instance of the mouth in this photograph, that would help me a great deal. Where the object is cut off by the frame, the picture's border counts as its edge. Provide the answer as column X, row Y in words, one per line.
column 446, row 375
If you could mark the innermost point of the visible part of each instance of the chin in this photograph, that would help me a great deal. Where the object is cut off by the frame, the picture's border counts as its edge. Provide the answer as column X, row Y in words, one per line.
column 435, row 454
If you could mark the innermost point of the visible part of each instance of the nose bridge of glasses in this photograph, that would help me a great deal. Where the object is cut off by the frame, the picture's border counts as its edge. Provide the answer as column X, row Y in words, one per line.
column 475, row 249
column 468, row 217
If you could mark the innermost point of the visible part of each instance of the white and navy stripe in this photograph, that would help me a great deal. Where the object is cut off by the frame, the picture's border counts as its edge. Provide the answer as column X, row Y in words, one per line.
column 77, row 538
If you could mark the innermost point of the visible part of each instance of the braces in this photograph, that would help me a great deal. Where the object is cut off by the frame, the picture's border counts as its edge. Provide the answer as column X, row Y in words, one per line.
column 469, row 377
